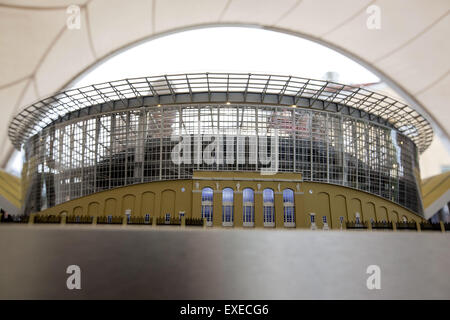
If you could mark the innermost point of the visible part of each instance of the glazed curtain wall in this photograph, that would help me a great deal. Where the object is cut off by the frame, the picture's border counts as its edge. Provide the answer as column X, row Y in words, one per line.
column 72, row 159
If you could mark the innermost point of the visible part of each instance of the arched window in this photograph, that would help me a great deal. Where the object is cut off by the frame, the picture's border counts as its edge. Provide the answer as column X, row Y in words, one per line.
column 227, row 207
column 248, row 207
column 268, row 208
column 207, row 205
column 404, row 219
column 288, row 208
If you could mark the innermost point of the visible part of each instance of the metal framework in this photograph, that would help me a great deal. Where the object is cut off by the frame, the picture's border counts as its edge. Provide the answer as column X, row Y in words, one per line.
column 75, row 158
column 99, row 137
column 220, row 87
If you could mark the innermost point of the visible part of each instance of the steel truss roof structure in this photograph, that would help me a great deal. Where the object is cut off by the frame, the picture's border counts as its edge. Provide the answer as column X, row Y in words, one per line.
column 216, row 88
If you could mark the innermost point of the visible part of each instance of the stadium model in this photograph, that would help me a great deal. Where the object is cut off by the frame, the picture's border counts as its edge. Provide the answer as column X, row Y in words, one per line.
column 237, row 150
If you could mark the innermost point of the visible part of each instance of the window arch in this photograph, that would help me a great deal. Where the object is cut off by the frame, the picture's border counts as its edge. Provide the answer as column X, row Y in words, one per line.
column 248, row 197
column 207, row 205
column 227, row 207
column 288, row 208
column 268, row 208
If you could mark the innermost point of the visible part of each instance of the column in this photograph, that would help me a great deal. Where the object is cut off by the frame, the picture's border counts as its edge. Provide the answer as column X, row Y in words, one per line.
column 217, row 208
column 238, row 209
column 300, row 219
column 259, row 219
column 279, row 212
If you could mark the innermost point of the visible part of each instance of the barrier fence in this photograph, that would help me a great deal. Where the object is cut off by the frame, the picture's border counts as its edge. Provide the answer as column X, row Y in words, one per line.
column 196, row 222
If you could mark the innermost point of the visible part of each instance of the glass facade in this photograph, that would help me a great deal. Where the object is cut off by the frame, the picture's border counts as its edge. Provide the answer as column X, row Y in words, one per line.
column 71, row 159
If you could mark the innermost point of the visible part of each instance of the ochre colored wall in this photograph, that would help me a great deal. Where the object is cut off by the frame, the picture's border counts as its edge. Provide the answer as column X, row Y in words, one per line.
column 346, row 202
column 11, row 189
column 158, row 198
column 147, row 202
column 168, row 202
column 141, row 199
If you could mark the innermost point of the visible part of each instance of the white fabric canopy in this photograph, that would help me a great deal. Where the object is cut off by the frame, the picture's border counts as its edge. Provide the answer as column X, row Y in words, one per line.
column 40, row 55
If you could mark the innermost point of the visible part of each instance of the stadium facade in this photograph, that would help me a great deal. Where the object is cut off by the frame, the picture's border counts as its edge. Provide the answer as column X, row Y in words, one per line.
column 236, row 149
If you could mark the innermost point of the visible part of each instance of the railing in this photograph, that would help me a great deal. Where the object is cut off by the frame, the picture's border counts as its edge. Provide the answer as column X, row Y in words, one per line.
column 47, row 219
column 14, row 218
column 194, row 222
column 382, row 225
column 356, row 225
column 79, row 219
column 161, row 221
column 109, row 220
column 406, row 225
column 430, row 226
column 139, row 221
column 199, row 222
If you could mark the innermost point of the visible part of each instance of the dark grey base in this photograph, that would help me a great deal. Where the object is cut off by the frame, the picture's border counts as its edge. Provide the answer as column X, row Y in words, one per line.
column 141, row 262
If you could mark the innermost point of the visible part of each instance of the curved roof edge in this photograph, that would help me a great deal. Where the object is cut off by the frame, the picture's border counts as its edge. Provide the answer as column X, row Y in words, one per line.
column 288, row 90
